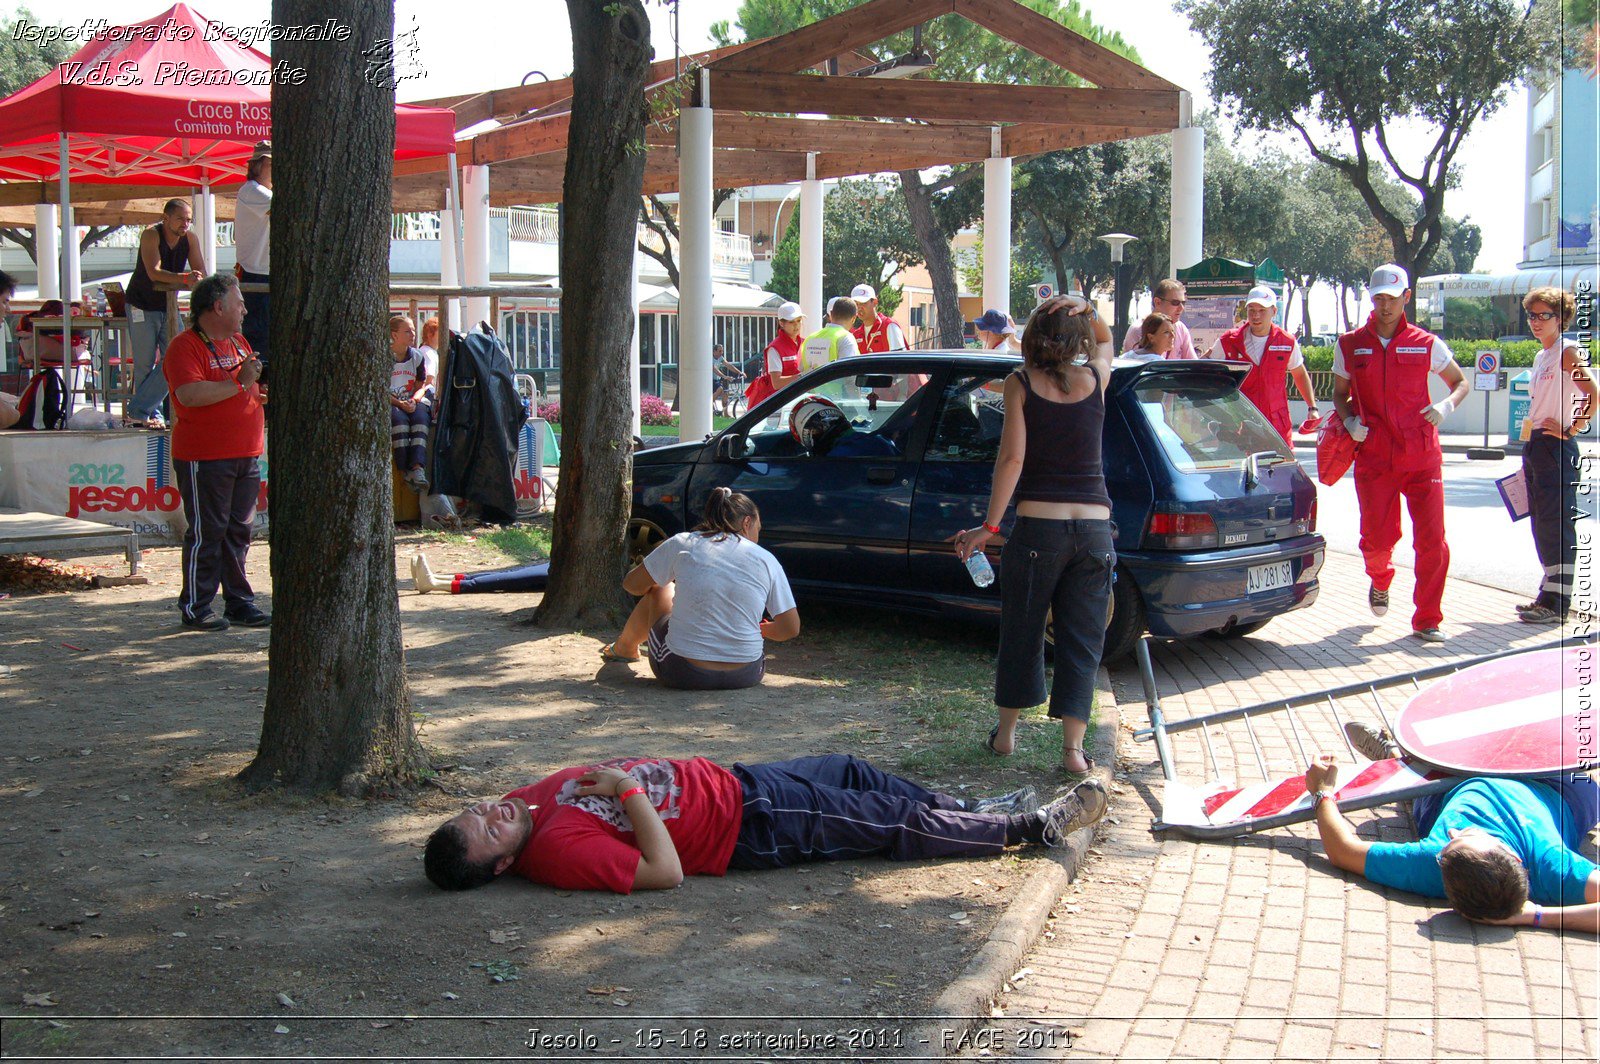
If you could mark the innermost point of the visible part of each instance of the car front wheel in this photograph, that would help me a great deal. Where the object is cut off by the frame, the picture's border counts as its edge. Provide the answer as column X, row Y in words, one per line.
column 643, row 537
column 1124, row 625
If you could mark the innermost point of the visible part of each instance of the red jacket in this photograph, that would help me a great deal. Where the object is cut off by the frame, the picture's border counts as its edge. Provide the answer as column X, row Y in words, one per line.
column 1266, row 384
column 1390, row 389
column 872, row 338
column 788, row 349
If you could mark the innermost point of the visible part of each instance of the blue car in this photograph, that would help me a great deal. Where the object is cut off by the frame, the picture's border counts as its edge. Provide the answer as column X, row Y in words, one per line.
column 1216, row 521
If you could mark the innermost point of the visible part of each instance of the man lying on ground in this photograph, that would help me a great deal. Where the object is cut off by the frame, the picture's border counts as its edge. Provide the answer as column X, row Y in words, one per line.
column 1501, row 851
column 635, row 823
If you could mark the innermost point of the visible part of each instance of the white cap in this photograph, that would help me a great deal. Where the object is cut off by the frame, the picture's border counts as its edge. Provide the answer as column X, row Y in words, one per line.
column 1388, row 280
column 790, row 312
column 862, row 292
column 1263, row 296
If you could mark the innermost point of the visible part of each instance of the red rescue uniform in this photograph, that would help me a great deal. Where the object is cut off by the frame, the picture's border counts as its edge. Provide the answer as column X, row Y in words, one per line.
column 1399, row 458
column 879, row 336
column 1266, row 385
column 784, row 350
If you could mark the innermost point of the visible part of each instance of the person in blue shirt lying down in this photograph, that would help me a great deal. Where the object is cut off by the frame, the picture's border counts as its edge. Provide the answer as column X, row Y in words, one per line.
column 1501, row 851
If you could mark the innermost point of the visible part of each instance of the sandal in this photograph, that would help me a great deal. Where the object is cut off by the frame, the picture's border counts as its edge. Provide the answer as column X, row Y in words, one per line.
column 1078, row 777
column 609, row 653
column 989, row 742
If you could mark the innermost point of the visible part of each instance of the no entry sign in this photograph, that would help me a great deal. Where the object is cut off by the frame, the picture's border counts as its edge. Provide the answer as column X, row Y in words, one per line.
column 1524, row 715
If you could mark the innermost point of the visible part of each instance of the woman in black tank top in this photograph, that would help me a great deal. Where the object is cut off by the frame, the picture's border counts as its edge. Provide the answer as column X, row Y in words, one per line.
column 1059, row 556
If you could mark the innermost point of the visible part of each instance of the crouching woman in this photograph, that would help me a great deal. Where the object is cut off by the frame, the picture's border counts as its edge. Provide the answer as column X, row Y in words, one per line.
column 702, row 594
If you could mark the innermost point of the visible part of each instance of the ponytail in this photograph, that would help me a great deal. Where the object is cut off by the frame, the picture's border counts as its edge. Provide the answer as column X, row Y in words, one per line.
column 1053, row 341
column 726, row 513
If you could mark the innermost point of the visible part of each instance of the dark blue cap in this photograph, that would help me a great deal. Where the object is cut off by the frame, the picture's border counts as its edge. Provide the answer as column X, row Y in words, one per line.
column 993, row 321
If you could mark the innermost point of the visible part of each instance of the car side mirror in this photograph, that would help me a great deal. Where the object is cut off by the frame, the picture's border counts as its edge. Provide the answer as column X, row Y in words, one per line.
column 734, row 447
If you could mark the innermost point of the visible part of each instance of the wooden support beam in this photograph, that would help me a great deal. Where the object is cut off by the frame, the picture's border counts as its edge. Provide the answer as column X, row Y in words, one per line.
column 533, row 136
column 765, row 133
column 27, row 193
column 844, row 32
column 1034, row 138
column 1048, row 39
column 738, row 90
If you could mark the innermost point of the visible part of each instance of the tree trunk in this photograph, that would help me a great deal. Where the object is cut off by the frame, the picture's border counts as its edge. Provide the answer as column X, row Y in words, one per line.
column 337, row 714
column 936, row 257
column 604, row 176
column 1305, row 307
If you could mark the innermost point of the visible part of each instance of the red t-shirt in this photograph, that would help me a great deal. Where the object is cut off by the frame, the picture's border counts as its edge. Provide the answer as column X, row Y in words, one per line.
column 233, row 428
column 587, row 843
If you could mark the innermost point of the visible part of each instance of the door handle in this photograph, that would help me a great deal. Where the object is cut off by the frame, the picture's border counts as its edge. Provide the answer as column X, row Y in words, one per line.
column 881, row 475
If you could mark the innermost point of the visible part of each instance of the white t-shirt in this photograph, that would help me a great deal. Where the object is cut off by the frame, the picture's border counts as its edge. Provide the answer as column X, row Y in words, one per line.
column 1256, row 346
column 723, row 585
column 1552, row 392
column 1139, row 354
column 406, row 372
column 1441, row 355
column 252, row 228
column 815, row 352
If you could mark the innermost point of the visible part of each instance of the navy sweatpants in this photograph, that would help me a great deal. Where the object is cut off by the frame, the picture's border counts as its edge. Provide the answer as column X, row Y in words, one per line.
column 1550, row 467
column 836, row 807
column 219, row 502
column 408, row 436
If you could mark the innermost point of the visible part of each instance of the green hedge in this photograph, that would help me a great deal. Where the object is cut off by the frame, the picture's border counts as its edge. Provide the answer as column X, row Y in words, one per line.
column 1515, row 355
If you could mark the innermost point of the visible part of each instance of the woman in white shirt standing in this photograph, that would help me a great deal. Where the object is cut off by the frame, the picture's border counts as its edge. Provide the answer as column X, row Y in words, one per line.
column 1562, row 398
column 702, row 594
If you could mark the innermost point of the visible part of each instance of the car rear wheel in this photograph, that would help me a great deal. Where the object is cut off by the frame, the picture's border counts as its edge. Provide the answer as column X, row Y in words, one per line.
column 643, row 537
column 1237, row 631
column 1124, row 625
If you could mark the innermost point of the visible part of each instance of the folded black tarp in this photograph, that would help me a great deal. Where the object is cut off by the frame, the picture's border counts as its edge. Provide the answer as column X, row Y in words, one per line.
column 475, row 431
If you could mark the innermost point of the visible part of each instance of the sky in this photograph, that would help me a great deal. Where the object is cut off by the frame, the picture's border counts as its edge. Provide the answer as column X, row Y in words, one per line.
column 473, row 45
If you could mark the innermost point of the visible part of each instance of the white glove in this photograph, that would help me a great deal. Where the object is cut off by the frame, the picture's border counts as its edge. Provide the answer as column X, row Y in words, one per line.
column 1436, row 413
column 1356, row 429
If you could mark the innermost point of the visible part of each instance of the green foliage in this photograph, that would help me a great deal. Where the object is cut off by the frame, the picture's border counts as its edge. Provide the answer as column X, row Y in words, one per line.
column 1342, row 74
column 1027, row 270
column 23, row 62
column 866, row 237
column 1517, row 354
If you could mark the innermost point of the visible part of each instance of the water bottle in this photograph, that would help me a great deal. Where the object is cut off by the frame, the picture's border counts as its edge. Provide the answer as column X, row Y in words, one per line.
column 978, row 567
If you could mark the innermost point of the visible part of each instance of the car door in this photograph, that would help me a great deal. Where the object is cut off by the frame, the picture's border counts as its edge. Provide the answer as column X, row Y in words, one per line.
column 837, row 517
column 966, row 418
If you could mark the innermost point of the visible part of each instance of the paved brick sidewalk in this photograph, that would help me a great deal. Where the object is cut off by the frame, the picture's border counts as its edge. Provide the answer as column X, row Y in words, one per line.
column 1256, row 948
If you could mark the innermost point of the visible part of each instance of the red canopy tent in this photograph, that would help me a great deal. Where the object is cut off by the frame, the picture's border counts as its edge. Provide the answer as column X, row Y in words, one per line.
column 158, row 103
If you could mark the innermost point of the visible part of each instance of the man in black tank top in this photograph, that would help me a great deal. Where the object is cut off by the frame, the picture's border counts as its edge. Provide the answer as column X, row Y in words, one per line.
column 169, row 253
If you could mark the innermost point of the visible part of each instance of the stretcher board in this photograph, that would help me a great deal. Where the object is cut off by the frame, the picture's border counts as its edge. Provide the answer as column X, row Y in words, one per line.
column 1521, row 716
column 1220, row 810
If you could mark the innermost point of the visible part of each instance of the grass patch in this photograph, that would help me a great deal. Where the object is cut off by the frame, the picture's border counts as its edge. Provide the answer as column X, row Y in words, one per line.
column 718, row 423
column 937, row 677
column 527, row 542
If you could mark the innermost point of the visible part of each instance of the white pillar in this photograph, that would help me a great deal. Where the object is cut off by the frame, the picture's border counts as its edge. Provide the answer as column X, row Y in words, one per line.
column 997, row 230
column 811, row 246
column 449, row 272
column 633, row 344
column 694, row 265
column 475, row 222
column 47, row 250
column 205, row 226
column 1188, row 191
column 72, row 272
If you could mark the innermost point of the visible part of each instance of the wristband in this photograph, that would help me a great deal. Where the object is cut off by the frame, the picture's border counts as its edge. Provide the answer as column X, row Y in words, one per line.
column 993, row 530
column 1538, row 916
column 1317, row 797
column 629, row 793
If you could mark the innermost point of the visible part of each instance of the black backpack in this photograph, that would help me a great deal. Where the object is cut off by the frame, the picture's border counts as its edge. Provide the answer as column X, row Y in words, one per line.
column 46, row 402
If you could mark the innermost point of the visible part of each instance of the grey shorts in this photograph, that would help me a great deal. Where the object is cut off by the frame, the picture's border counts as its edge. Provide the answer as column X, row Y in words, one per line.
column 684, row 674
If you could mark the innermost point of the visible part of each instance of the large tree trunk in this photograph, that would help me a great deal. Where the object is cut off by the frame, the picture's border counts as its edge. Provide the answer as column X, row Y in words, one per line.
column 604, row 176
column 337, row 715
column 936, row 257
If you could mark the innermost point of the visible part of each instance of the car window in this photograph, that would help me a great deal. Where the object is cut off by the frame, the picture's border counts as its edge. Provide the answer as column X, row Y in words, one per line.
column 878, row 411
column 1206, row 423
column 972, row 413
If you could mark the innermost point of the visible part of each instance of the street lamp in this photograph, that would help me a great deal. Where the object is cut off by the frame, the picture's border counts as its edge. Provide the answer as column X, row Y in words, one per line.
column 1119, row 284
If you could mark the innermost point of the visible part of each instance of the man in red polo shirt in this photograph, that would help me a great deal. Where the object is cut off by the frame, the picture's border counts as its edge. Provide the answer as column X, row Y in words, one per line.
column 877, row 333
column 1270, row 353
column 216, row 443
column 1380, row 389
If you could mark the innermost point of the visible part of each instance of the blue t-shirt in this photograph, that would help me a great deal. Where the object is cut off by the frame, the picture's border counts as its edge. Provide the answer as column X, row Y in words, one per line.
column 1529, row 817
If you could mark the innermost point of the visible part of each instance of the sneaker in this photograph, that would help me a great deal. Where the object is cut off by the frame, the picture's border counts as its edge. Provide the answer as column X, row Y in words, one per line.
column 206, row 622
column 1529, row 607
column 249, row 616
column 1025, row 800
column 1085, row 804
column 1374, row 744
column 417, row 479
column 1430, row 635
column 1378, row 600
column 1541, row 615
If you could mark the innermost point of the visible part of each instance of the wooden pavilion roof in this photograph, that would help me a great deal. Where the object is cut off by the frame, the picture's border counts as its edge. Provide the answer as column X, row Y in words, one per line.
column 758, row 89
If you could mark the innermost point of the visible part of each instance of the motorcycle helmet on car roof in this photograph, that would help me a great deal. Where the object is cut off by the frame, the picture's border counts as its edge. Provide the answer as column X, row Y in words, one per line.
column 816, row 422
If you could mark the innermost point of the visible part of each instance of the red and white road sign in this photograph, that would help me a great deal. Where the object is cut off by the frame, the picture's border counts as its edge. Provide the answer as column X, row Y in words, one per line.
column 1523, row 715
column 1374, row 780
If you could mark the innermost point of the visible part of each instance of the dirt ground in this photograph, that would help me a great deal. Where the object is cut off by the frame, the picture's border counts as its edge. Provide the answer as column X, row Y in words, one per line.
column 146, row 907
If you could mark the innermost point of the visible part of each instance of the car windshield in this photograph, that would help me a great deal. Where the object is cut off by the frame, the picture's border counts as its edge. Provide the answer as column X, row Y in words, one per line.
column 1205, row 423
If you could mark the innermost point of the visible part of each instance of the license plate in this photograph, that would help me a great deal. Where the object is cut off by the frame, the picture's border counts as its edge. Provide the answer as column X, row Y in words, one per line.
column 1268, row 577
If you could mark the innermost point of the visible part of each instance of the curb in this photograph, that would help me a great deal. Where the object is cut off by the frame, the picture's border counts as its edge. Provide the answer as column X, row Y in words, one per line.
column 968, row 999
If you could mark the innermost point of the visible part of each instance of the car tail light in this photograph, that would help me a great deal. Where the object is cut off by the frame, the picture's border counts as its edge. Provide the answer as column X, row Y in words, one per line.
column 1311, row 525
column 1181, row 529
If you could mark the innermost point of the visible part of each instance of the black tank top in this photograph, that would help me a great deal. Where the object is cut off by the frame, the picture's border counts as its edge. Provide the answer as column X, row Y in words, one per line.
column 175, row 259
column 1062, row 460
